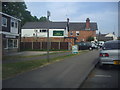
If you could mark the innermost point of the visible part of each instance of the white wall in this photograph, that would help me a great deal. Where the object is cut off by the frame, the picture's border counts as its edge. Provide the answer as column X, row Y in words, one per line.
column 30, row 32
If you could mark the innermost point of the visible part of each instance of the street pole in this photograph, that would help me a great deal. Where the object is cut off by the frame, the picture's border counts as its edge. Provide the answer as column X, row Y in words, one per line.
column 48, row 44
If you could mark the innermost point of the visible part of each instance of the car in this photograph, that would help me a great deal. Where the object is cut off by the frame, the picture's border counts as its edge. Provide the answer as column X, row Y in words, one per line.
column 101, row 43
column 109, row 55
column 84, row 45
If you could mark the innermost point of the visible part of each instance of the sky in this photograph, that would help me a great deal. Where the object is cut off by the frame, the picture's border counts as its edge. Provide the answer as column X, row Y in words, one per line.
column 104, row 13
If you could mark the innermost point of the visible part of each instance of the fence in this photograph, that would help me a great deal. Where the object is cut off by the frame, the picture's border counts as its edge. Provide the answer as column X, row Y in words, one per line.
column 43, row 46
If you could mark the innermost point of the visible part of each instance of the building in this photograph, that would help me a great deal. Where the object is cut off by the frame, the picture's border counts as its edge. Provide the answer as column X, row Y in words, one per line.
column 106, row 37
column 59, row 31
column 10, row 32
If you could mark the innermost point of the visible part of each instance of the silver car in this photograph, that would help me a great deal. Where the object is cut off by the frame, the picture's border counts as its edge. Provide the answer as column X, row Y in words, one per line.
column 110, row 53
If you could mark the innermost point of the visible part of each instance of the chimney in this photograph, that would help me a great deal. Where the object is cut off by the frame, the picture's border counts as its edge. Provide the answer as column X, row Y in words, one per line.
column 87, row 23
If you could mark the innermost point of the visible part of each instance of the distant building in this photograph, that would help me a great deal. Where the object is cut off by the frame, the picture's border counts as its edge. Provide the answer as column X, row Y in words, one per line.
column 10, row 33
column 106, row 37
column 59, row 31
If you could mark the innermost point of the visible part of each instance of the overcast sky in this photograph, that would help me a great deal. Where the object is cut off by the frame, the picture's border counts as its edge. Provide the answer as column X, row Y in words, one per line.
column 104, row 13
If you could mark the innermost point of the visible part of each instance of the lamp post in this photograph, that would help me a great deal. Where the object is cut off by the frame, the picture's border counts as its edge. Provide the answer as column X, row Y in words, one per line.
column 48, row 43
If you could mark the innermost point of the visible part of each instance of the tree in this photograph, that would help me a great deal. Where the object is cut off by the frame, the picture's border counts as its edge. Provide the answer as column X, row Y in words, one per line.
column 18, row 10
column 90, row 38
column 43, row 19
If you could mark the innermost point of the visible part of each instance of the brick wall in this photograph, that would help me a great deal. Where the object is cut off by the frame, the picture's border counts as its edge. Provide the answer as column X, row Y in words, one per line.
column 41, row 39
column 83, row 35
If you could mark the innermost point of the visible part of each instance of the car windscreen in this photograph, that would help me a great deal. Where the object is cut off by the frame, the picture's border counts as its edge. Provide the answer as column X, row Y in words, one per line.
column 108, row 46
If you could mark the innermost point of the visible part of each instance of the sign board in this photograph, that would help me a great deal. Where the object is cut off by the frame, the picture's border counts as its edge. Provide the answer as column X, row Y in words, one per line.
column 58, row 33
column 75, row 49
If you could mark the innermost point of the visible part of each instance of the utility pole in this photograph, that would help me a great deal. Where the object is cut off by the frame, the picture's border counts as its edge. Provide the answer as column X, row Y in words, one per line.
column 48, row 42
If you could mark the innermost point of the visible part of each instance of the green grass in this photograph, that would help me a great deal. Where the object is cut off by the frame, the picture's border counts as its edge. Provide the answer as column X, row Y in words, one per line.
column 12, row 69
column 18, row 56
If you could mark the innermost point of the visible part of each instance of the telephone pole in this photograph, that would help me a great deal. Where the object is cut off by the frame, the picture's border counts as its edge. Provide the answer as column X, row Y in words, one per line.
column 48, row 42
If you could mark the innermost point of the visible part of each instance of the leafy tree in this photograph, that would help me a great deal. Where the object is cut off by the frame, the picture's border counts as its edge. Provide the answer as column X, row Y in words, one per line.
column 43, row 19
column 90, row 39
column 19, row 10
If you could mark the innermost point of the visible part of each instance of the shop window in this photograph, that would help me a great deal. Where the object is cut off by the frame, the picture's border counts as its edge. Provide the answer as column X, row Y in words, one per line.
column 4, row 21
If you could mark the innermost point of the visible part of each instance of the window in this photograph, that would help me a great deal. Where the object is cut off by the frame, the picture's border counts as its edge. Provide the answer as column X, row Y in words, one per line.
column 12, row 24
column 10, row 43
column 44, row 30
column 15, row 44
column 4, row 43
column 71, row 33
column 16, row 24
column 109, row 46
column 4, row 21
column 40, row 30
column 77, row 33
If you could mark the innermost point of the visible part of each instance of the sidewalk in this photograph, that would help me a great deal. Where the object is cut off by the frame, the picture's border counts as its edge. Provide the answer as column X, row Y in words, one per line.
column 68, row 73
column 12, row 60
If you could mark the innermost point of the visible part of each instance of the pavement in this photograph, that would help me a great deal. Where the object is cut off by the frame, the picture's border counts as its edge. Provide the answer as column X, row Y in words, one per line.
column 68, row 73
column 107, row 77
column 28, row 53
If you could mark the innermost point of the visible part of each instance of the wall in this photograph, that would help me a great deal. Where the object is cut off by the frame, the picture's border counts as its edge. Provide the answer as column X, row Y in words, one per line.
column 41, row 39
column 30, row 32
column 83, row 35
column 43, row 45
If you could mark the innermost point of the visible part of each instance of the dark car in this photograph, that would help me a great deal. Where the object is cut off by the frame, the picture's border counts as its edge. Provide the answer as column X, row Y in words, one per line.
column 84, row 45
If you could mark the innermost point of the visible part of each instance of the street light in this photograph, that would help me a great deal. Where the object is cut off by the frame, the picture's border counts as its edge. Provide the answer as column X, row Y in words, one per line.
column 48, row 44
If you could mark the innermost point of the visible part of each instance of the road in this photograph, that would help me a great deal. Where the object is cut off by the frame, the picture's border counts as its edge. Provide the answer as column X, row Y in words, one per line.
column 107, row 77
column 68, row 73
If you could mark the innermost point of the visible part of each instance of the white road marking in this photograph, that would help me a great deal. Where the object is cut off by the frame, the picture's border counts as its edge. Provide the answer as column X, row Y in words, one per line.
column 103, row 76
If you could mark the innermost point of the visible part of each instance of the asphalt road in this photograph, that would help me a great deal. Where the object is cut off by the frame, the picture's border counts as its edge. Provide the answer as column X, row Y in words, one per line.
column 107, row 77
column 68, row 73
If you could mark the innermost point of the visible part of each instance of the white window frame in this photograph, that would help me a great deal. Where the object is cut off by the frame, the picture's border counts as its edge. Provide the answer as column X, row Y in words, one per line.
column 15, row 22
column 77, row 32
column 5, row 21
column 12, row 43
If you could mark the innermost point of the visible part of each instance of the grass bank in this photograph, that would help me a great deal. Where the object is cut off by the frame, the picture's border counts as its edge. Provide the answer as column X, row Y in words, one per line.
column 12, row 69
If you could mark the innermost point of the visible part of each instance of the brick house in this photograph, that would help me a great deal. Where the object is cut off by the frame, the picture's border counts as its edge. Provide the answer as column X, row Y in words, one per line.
column 10, row 32
column 59, row 31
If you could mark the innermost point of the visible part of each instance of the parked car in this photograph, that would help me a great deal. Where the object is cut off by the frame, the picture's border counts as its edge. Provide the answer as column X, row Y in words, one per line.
column 110, row 53
column 84, row 45
column 101, row 43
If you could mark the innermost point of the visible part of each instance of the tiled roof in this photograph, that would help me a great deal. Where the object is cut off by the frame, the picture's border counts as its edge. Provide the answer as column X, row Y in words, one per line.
column 59, row 25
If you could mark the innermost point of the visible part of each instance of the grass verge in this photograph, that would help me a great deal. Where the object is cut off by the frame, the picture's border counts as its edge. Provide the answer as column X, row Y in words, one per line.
column 12, row 69
column 18, row 56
